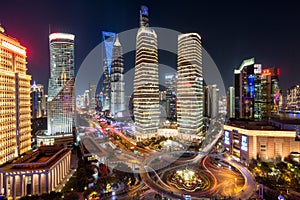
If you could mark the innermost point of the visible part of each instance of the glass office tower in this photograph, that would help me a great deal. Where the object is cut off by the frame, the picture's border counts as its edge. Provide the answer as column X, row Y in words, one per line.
column 61, row 90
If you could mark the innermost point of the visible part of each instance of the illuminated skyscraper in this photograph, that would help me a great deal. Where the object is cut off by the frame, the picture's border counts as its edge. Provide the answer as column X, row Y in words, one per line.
column 230, row 103
column 270, row 91
column 37, row 100
column 117, row 79
column 171, row 99
column 248, row 98
column 15, row 124
column 108, row 40
column 190, row 84
column 61, row 90
column 211, row 108
column 92, row 97
column 146, row 88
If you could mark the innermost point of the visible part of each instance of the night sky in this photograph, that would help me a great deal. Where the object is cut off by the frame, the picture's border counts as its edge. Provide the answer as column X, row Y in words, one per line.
column 231, row 30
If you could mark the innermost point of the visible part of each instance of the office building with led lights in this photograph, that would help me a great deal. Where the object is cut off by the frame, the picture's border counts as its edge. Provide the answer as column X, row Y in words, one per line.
column 189, row 84
column 117, row 79
column 146, row 84
column 230, row 102
column 108, row 44
column 61, row 90
column 248, row 96
column 293, row 98
column 37, row 101
column 15, row 124
column 171, row 99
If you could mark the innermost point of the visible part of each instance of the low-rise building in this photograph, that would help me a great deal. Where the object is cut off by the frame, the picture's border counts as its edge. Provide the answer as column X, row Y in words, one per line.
column 36, row 172
column 268, row 141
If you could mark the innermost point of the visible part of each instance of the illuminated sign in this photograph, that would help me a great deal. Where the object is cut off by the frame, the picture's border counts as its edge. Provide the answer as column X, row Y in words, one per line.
column 266, row 72
column 227, row 138
column 244, row 145
column 13, row 48
column 66, row 36
column 257, row 68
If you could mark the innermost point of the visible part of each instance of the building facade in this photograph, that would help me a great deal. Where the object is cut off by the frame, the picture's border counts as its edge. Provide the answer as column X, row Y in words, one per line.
column 61, row 90
column 211, row 108
column 36, row 173
column 171, row 98
column 15, row 124
column 92, row 97
column 230, row 102
column 189, row 84
column 247, row 141
column 146, row 84
column 117, row 79
column 37, row 101
column 248, row 97
column 108, row 39
column 293, row 98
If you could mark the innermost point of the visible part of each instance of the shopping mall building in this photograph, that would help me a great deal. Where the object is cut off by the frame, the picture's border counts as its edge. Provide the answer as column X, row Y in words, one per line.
column 268, row 141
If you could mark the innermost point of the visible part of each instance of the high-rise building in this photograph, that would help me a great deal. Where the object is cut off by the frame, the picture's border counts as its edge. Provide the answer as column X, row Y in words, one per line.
column 117, row 79
column 230, row 102
column 146, row 84
column 189, row 84
column 213, row 101
column 108, row 40
column 270, row 91
column 86, row 99
column 293, row 98
column 247, row 82
column 15, row 124
column 37, row 100
column 92, row 97
column 61, row 90
column 171, row 84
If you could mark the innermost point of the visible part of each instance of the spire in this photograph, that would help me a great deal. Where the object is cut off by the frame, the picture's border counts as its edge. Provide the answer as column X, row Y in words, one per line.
column 117, row 42
column 34, row 86
column 144, row 17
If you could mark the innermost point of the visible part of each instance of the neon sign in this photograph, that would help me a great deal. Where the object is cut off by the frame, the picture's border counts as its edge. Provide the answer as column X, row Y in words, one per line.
column 266, row 72
column 13, row 48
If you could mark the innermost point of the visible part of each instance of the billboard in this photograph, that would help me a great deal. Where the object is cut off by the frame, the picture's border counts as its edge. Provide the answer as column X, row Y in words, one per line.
column 227, row 137
column 244, row 145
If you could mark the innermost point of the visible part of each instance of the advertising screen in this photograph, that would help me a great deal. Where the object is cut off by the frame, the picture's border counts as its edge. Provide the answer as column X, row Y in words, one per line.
column 244, row 145
column 227, row 138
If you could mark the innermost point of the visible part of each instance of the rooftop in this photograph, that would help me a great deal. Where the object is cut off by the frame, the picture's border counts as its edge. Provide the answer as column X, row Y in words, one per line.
column 43, row 158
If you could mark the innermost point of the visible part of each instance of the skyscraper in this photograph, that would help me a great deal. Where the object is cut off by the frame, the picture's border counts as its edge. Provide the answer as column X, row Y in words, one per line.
column 117, row 79
column 247, row 83
column 15, row 124
column 37, row 100
column 270, row 91
column 146, row 88
column 212, row 107
column 171, row 99
column 190, row 84
column 61, row 90
column 92, row 97
column 108, row 40
column 230, row 102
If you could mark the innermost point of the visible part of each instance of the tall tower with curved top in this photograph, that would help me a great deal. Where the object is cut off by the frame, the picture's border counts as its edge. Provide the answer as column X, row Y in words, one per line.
column 61, row 101
column 146, row 84
column 190, row 84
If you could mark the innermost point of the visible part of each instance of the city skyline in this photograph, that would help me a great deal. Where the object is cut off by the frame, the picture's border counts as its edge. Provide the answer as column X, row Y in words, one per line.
column 240, row 29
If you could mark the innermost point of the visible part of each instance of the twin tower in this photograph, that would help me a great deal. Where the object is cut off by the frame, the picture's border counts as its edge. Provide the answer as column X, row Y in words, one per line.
column 146, row 82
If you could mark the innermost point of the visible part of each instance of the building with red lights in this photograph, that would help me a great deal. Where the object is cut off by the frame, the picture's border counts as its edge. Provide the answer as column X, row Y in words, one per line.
column 15, row 112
